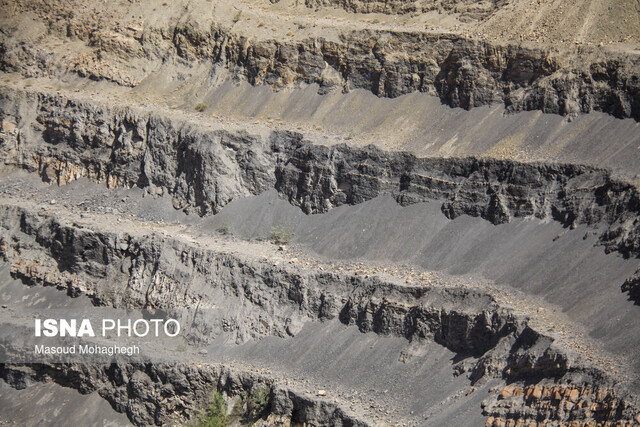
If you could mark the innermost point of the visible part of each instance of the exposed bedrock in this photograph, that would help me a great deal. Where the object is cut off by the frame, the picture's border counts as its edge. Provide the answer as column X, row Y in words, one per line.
column 632, row 287
column 161, row 394
column 203, row 170
column 469, row 10
column 462, row 72
column 144, row 269
column 519, row 323
column 125, row 270
column 556, row 402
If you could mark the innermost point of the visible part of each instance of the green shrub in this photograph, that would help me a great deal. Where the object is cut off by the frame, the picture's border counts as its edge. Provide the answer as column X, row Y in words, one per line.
column 216, row 414
column 237, row 16
column 375, row 21
column 280, row 235
column 223, row 229
column 201, row 107
column 258, row 403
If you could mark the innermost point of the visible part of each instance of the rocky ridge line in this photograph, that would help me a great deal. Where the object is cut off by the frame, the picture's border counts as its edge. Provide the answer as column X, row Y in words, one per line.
column 468, row 10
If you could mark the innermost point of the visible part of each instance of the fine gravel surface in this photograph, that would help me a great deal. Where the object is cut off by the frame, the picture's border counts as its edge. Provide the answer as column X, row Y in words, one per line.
column 52, row 404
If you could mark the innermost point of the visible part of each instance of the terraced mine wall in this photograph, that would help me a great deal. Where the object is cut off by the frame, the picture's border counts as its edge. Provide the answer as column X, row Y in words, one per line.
column 161, row 394
column 203, row 170
column 64, row 139
column 541, row 376
column 122, row 269
column 462, row 72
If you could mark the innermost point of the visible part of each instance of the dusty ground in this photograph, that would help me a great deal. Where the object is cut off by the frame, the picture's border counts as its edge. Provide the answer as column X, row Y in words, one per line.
column 539, row 21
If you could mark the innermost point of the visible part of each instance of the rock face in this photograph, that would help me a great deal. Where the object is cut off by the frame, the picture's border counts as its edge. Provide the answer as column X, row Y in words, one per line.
column 462, row 72
column 535, row 368
column 136, row 269
column 558, row 402
column 123, row 270
column 161, row 394
column 632, row 287
column 468, row 9
column 203, row 170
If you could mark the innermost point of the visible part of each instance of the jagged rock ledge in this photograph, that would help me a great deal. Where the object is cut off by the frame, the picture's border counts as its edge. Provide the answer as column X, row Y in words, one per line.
column 148, row 270
column 64, row 139
column 141, row 268
column 462, row 72
column 468, row 10
column 164, row 394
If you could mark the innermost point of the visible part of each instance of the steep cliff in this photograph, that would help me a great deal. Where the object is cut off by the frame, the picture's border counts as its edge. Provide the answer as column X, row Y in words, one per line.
column 462, row 71
column 140, row 268
column 203, row 170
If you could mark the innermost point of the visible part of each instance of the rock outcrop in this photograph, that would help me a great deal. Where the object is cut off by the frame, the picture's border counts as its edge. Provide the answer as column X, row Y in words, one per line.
column 161, row 394
column 461, row 71
column 139, row 269
column 583, row 406
column 536, row 369
column 203, row 170
column 469, row 10
column 129, row 270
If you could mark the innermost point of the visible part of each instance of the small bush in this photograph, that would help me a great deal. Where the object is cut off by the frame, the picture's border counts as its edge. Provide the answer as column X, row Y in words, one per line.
column 375, row 21
column 216, row 414
column 280, row 235
column 223, row 229
column 258, row 403
column 201, row 107
column 237, row 16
